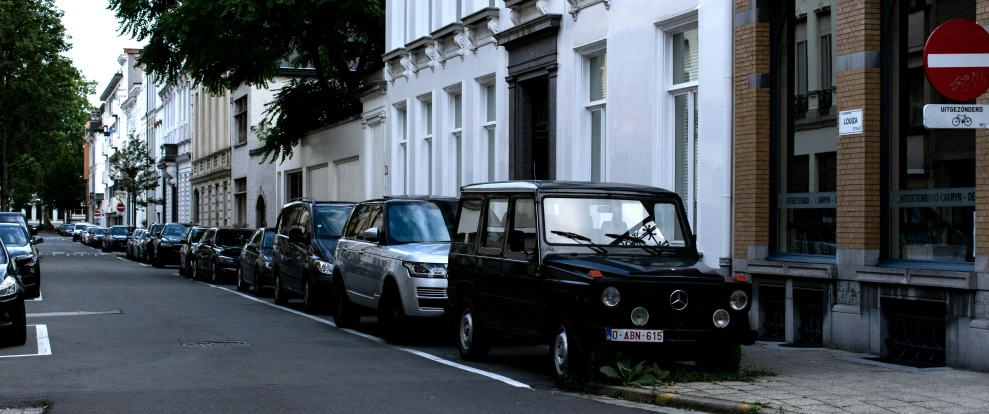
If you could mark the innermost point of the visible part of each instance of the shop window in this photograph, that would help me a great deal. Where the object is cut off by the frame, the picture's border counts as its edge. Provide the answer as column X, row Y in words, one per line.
column 931, row 214
column 805, row 132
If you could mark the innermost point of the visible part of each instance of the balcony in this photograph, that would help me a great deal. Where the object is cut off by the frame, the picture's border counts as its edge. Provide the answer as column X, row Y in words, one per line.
column 815, row 106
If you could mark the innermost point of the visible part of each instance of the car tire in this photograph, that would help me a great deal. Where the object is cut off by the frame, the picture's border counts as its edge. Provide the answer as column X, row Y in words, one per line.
column 720, row 358
column 158, row 262
column 345, row 313
column 391, row 316
column 257, row 282
column 281, row 296
column 35, row 291
column 195, row 270
column 472, row 341
column 20, row 335
column 241, row 286
column 567, row 362
column 310, row 304
column 213, row 277
column 182, row 271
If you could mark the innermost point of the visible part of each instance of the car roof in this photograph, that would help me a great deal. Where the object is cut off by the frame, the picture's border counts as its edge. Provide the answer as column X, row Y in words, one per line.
column 563, row 186
column 401, row 198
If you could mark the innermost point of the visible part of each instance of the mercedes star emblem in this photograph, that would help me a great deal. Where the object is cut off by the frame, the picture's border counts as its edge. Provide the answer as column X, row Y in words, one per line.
column 678, row 300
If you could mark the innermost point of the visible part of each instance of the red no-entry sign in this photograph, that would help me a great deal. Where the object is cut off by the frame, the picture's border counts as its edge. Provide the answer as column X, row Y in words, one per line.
column 120, row 207
column 97, row 214
column 956, row 59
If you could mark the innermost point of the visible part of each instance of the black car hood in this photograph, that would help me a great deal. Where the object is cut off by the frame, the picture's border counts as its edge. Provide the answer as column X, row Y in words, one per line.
column 231, row 251
column 118, row 236
column 326, row 246
column 15, row 251
column 172, row 240
column 635, row 266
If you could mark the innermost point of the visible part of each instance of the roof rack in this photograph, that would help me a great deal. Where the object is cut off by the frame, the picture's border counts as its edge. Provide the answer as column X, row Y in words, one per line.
column 305, row 199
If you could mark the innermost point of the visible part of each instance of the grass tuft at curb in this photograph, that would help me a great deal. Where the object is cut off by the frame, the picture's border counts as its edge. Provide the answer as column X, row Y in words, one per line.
column 677, row 401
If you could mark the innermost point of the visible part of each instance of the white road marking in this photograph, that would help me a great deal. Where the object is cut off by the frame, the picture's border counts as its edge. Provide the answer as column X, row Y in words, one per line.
column 37, row 299
column 44, row 346
column 80, row 313
column 144, row 264
column 428, row 356
column 958, row 60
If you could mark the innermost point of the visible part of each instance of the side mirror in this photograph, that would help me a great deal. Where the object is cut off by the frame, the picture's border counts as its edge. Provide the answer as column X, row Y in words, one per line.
column 371, row 234
column 39, row 240
column 34, row 231
column 183, row 241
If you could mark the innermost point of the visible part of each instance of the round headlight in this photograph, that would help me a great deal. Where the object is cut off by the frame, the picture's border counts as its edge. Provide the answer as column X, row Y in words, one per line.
column 721, row 318
column 640, row 316
column 610, row 296
column 738, row 300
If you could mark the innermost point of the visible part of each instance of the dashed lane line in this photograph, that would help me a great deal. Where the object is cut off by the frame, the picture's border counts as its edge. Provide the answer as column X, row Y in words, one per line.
column 425, row 355
column 79, row 313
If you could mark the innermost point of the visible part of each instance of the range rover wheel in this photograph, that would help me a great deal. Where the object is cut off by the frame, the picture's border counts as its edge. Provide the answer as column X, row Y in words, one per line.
column 472, row 342
column 345, row 314
column 195, row 270
column 281, row 296
column 310, row 304
column 158, row 262
column 720, row 358
column 241, row 285
column 213, row 277
column 391, row 317
column 257, row 282
column 566, row 356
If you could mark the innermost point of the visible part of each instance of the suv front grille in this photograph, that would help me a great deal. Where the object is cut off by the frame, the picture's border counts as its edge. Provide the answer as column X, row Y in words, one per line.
column 431, row 292
column 702, row 301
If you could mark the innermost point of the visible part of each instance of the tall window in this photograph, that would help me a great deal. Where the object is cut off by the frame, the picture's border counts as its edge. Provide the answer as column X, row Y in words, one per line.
column 827, row 70
column 685, row 69
column 931, row 171
column 806, row 157
column 457, row 106
column 490, row 112
column 597, row 94
column 240, row 119
column 240, row 197
column 294, row 185
column 402, row 137
column 427, row 137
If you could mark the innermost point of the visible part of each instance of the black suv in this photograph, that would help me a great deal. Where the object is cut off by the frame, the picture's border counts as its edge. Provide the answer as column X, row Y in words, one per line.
column 583, row 265
column 147, row 242
column 18, row 217
column 167, row 244
column 306, row 237
column 116, row 238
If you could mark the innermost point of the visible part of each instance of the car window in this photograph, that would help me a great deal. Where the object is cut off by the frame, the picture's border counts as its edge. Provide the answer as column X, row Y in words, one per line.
column 100, row 231
column 494, row 223
column 470, row 216
column 289, row 217
column 305, row 219
column 196, row 234
column 524, row 220
column 208, row 236
column 156, row 228
column 419, row 222
column 175, row 230
column 232, row 238
column 118, row 231
column 357, row 220
column 256, row 237
column 269, row 240
column 12, row 236
column 80, row 227
column 330, row 220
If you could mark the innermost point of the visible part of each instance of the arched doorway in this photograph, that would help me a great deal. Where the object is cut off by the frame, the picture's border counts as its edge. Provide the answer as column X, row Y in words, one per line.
column 195, row 206
column 260, row 213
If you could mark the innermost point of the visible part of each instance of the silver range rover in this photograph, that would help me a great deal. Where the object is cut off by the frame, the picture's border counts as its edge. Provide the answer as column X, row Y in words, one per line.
column 392, row 259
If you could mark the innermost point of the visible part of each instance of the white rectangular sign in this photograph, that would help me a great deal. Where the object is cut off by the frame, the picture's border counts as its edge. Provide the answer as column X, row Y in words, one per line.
column 956, row 116
column 850, row 122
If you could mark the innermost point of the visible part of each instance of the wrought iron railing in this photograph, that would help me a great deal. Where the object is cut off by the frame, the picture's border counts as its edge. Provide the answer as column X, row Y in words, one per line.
column 917, row 335
column 811, row 323
column 775, row 313
column 825, row 100
column 800, row 107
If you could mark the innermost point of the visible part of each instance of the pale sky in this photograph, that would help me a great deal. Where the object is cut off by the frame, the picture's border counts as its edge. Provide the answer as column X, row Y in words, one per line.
column 95, row 42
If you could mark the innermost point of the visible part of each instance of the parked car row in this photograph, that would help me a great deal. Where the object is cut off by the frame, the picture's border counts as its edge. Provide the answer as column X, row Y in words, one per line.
column 20, row 275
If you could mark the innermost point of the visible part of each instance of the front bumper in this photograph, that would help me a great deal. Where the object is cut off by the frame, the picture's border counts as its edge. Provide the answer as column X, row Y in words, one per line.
column 322, row 285
column 116, row 244
column 170, row 254
column 11, row 313
column 423, row 297
column 227, row 268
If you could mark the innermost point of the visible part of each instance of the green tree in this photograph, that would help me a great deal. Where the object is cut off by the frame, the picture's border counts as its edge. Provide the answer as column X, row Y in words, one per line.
column 133, row 170
column 41, row 94
column 221, row 44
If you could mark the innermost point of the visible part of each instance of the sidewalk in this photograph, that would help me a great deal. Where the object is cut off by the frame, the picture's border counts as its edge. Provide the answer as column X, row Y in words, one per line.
column 817, row 380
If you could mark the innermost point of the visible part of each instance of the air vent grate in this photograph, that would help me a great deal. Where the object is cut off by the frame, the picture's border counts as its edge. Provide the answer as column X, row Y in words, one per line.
column 212, row 344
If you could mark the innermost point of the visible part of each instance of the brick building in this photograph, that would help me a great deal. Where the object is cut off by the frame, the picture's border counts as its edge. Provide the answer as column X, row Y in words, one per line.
column 839, row 229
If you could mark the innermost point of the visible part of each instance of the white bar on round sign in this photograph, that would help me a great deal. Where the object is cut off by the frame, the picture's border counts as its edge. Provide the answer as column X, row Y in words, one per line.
column 958, row 60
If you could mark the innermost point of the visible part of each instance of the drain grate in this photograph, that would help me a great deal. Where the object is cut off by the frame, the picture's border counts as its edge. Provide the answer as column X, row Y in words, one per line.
column 213, row 344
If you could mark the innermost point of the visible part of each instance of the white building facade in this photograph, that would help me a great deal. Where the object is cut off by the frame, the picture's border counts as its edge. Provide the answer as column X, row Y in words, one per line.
column 174, row 151
column 587, row 90
column 254, row 191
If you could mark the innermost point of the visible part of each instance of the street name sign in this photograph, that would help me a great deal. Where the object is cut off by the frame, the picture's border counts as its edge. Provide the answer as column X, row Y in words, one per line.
column 956, row 60
column 850, row 122
column 956, row 116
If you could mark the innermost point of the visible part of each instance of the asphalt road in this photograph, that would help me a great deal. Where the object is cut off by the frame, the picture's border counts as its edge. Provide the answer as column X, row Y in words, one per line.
column 122, row 337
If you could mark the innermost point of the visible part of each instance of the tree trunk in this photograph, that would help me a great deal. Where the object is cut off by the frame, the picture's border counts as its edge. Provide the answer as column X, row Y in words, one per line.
column 46, row 220
column 4, row 176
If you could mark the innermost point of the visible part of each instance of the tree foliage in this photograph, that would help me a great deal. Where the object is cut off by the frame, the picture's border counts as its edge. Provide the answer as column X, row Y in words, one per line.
column 42, row 103
column 221, row 44
column 132, row 169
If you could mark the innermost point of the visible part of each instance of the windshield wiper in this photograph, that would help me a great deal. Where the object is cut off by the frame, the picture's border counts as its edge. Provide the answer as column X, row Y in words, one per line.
column 578, row 238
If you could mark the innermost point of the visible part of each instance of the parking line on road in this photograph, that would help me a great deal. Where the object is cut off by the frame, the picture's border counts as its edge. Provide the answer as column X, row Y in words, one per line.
column 428, row 356
column 37, row 299
column 44, row 346
column 80, row 313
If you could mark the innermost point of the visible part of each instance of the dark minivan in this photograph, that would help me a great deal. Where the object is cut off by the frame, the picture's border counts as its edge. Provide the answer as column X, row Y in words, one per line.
column 581, row 265
column 306, row 236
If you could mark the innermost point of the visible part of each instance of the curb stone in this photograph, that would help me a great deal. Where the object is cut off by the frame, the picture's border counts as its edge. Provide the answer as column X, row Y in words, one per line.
column 678, row 401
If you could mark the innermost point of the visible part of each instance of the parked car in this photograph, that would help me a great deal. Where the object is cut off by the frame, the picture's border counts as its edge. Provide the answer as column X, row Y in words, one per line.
column 596, row 264
column 167, row 244
column 78, row 229
column 134, row 244
column 18, row 218
column 22, row 249
column 84, row 237
column 306, row 237
column 255, row 261
column 392, row 259
column 96, row 237
column 147, row 243
column 218, row 253
column 13, row 315
column 65, row 229
column 192, row 240
column 116, row 238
